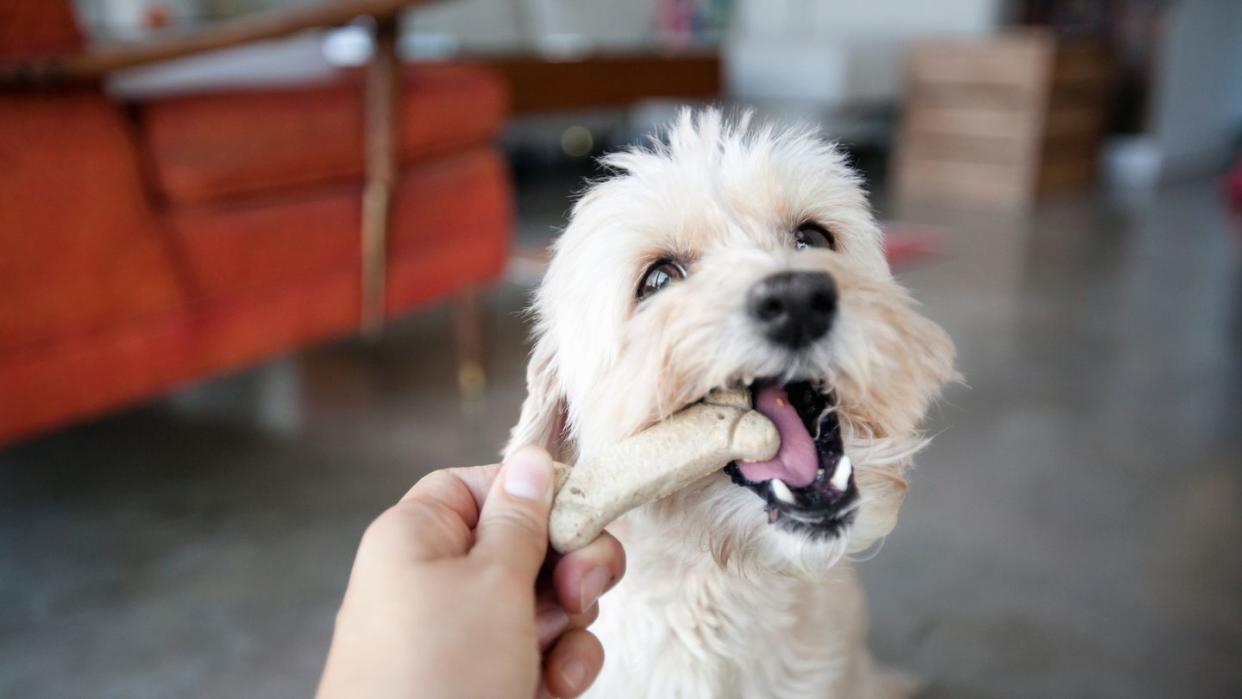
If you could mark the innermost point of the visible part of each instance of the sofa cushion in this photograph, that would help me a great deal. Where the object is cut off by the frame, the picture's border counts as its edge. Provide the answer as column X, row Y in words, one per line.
column 245, row 142
column 239, row 248
column 79, row 249
column 37, row 27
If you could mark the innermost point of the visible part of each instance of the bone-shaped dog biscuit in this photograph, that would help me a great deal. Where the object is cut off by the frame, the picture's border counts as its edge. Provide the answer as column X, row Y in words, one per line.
column 657, row 462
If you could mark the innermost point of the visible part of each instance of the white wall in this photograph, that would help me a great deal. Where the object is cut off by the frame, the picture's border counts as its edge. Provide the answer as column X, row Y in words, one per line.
column 835, row 53
column 498, row 25
column 1237, row 62
column 488, row 25
column 1197, row 102
column 864, row 19
column 504, row 24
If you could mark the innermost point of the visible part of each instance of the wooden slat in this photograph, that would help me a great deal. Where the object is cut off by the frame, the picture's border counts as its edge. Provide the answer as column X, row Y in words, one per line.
column 1019, row 62
column 984, row 96
column 966, row 119
column 1016, row 152
column 948, row 182
column 1066, row 171
column 1083, row 64
column 1074, row 121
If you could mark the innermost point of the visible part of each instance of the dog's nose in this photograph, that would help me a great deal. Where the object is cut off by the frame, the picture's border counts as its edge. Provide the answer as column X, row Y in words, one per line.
column 794, row 308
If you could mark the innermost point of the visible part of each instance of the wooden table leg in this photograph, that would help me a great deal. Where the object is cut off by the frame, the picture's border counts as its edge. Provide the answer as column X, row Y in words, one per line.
column 383, row 96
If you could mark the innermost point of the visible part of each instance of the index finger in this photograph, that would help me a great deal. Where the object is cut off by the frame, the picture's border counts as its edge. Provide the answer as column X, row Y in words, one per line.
column 462, row 489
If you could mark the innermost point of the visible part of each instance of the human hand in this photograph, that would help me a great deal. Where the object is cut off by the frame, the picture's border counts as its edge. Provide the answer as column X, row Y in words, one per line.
column 447, row 598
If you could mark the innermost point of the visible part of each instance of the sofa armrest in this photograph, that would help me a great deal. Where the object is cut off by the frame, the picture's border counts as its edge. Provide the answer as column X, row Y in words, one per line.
column 94, row 64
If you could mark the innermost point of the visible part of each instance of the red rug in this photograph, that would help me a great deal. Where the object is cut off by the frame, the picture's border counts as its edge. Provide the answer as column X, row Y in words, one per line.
column 907, row 243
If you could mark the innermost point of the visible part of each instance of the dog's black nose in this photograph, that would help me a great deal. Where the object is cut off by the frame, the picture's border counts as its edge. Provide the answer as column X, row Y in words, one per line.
column 794, row 308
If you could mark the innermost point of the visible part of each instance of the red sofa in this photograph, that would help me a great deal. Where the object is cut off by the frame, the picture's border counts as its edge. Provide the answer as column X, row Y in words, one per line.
column 144, row 246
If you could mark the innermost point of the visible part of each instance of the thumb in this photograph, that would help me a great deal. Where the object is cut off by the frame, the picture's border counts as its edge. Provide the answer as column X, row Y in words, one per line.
column 513, row 526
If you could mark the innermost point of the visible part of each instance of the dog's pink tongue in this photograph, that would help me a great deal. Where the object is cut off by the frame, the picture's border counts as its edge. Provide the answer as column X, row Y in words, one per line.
column 797, row 461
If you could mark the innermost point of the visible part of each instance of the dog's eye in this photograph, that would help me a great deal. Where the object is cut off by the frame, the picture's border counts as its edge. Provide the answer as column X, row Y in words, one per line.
column 813, row 235
column 658, row 276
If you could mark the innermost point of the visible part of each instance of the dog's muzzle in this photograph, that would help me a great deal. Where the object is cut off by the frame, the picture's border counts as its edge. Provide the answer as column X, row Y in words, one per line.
column 809, row 485
column 794, row 309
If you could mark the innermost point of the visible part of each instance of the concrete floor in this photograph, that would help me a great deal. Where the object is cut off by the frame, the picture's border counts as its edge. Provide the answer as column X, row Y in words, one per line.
column 1073, row 531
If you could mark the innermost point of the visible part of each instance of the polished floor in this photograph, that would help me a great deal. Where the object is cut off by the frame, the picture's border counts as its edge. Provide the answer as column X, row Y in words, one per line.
column 1073, row 531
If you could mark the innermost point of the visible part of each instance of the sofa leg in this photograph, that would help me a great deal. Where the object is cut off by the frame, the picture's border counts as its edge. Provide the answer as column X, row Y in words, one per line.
column 468, row 336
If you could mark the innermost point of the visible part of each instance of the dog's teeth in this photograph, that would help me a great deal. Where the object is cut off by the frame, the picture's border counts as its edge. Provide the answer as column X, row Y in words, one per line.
column 748, row 380
column 781, row 491
column 774, row 514
column 819, row 474
column 841, row 476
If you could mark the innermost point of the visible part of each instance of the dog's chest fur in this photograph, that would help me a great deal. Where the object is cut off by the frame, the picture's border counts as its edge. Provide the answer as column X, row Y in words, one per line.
column 685, row 627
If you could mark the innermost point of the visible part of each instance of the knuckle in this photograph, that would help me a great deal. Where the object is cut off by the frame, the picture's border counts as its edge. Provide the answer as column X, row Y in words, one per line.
column 520, row 532
column 389, row 526
column 524, row 523
column 432, row 481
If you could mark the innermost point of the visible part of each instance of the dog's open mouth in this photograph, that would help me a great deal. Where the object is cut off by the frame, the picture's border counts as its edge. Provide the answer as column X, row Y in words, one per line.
column 809, row 485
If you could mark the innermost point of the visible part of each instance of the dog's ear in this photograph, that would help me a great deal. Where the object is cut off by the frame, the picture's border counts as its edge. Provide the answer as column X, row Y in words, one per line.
column 543, row 412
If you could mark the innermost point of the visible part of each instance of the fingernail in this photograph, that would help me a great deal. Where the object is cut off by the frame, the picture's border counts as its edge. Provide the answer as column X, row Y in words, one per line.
column 549, row 623
column 593, row 585
column 573, row 672
column 528, row 474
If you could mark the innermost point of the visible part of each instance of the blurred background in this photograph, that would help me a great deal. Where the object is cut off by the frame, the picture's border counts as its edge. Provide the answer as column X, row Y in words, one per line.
column 262, row 265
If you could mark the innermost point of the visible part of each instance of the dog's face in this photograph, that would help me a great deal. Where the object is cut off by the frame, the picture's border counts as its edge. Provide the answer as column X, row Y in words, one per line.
column 739, row 256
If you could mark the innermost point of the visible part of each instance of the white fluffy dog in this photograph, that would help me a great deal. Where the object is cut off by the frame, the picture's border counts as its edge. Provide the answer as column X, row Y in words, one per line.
column 735, row 254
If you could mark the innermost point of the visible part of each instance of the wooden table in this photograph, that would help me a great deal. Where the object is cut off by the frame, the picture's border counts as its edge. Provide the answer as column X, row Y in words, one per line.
column 543, row 84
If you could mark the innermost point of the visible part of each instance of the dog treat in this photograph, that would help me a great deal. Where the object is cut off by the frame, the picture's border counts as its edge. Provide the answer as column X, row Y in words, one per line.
column 657, row 462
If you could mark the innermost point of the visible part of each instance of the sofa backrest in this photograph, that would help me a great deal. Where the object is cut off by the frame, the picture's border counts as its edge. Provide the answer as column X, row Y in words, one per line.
column 37, row 27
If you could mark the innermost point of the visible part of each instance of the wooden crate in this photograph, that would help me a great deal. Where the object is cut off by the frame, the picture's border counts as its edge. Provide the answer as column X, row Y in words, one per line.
column 997, row 122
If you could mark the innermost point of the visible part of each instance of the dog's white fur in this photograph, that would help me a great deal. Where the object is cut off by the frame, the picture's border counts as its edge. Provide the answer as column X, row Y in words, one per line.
column 716, row 601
